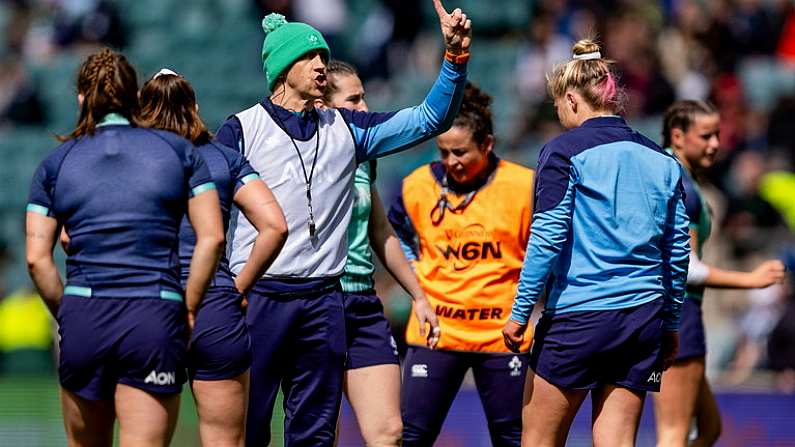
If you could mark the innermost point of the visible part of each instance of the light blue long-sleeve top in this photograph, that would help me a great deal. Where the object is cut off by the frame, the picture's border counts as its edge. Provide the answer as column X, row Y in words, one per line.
column 609, row 227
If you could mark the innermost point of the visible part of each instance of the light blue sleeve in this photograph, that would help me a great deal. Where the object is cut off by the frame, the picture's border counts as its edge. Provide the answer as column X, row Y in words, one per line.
column 548, row 234
column 380, row 134
column 675, row 250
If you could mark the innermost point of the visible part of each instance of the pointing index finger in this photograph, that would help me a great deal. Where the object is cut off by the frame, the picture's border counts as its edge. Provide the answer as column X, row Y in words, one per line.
column 440, row 11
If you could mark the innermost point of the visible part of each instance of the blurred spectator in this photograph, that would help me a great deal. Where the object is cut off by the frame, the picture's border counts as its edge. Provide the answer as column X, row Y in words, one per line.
column 25, row 329
column 684, row 60
column 729, row 96
column 330, row 17
column 786, row 43
column 391, row 28
column 780, row 131
column 629, row 40
column 544, row 48
column 20, row 18
column 88, row 22
column 283, row 7
column 407, row 16
column 765, row 309
column 750, row 220
column 739, row 29
column 20, row 101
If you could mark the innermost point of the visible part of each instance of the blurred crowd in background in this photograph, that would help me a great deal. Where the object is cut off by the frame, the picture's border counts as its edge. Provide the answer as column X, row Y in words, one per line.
column 739, row 54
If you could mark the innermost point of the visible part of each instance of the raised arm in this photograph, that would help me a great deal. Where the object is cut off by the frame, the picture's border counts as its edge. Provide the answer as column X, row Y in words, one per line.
column 387, row 247
column 380, row 134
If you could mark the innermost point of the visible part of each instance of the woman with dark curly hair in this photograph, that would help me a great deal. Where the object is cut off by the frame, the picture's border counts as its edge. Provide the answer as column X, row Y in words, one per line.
column 467, row 247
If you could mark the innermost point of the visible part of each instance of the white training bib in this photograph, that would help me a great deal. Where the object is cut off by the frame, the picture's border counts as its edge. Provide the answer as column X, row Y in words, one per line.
column 269, row 151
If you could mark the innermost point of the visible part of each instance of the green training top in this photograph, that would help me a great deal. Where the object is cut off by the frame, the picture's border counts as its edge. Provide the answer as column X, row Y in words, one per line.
column 700, row 222
column 359, row 270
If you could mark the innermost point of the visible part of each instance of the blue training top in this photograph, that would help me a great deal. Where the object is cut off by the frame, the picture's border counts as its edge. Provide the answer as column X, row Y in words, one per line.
column 229, row 171
column 121, row 194
column 609, row 224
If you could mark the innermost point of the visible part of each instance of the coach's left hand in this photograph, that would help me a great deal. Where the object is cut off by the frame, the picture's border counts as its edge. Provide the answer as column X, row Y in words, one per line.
column 513, row 334
column 456, row 29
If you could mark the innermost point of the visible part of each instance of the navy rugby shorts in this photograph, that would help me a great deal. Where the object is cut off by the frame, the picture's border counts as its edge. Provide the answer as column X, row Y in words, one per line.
column 139, row 342
column 220, row 347
column 692, row 341
column 369, row 336
column 589, row 349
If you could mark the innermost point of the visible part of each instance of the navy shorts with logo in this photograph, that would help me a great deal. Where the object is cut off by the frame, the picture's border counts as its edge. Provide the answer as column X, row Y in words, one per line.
column 692, row 341
column 220, row 347
column 369, row 336
column 431, row 379
column 139, row 342
column 589, row 349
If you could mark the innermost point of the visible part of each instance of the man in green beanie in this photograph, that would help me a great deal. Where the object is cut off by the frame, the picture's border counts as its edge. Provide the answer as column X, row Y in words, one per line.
column 285, row 42
column 308, row 157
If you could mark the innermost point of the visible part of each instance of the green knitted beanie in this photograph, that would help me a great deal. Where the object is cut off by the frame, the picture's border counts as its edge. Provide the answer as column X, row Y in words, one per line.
column 285, row 42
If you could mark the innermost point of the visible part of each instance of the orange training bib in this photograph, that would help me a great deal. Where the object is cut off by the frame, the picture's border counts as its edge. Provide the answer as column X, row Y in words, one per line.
column 469, row 264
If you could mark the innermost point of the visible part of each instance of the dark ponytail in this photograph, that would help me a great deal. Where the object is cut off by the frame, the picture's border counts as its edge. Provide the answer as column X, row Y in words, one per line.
column 682, row 114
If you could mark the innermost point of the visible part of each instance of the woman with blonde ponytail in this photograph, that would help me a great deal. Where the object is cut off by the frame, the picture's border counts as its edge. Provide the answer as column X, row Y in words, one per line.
column 471, row 210
column 119, row 192
column 609, row 244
